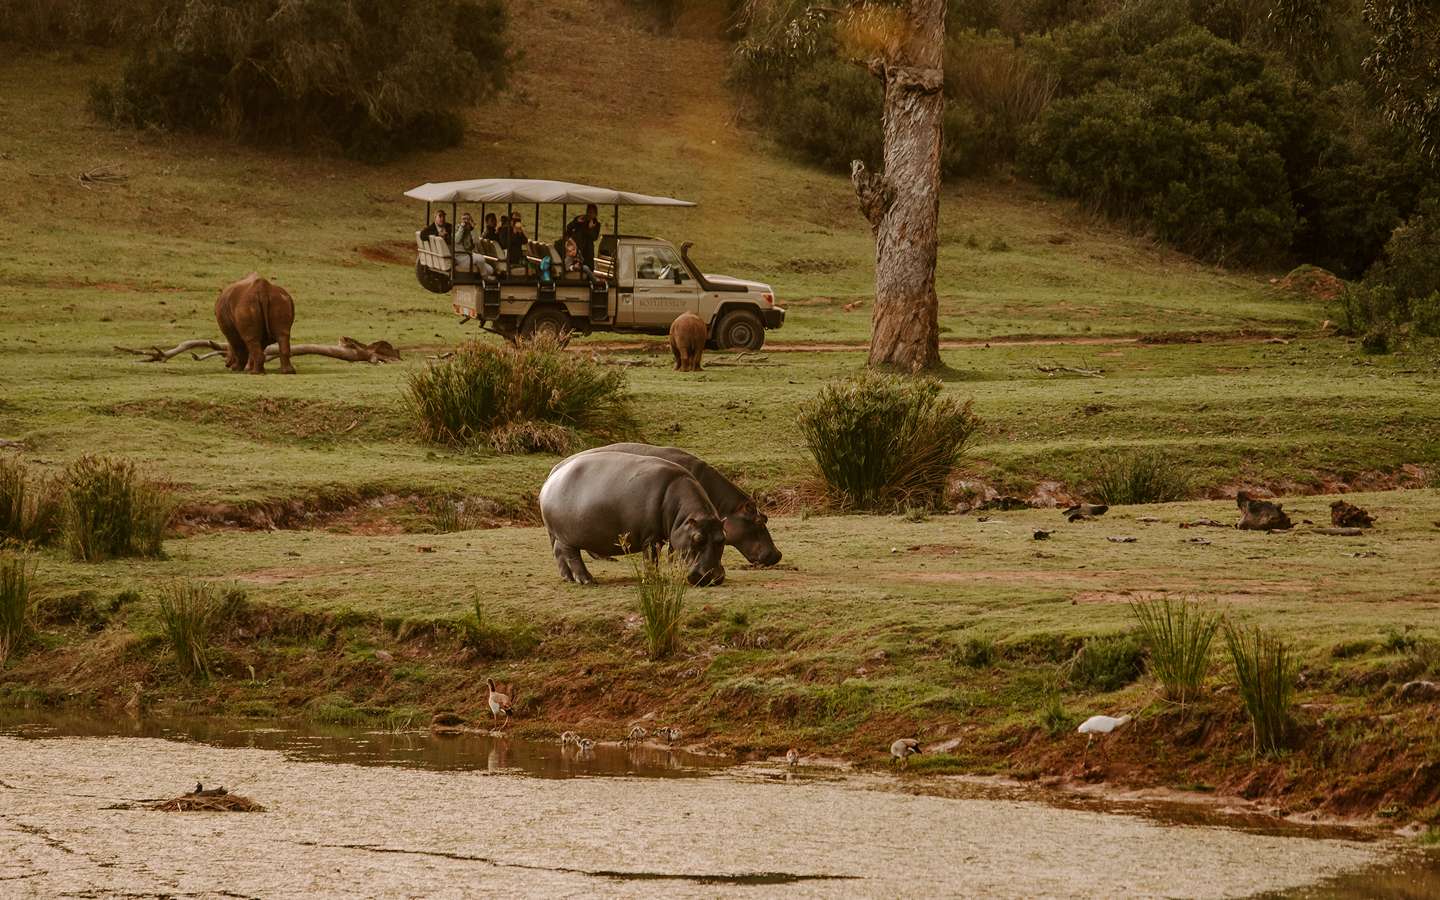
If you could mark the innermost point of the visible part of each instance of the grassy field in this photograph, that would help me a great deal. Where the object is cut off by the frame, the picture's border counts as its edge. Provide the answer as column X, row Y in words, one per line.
column 863, row 630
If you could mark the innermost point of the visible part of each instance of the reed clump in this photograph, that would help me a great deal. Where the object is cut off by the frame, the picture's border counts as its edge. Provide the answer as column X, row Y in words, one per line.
column 111, row 511
column 1123, row 478
column 16, row 573
column 1265, row 673
column 1179, row 634
column 661, row 586
column 189, row 612
column 29, row 504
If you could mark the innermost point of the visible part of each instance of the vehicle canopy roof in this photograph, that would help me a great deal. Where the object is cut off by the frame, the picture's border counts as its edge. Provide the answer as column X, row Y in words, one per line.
column 529, row 190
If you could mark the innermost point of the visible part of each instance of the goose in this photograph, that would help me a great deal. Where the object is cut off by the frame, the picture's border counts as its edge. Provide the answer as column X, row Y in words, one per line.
column 667, row 734
column 903, row 749
column 637, row 734
column 569, row 737
column 499, row 703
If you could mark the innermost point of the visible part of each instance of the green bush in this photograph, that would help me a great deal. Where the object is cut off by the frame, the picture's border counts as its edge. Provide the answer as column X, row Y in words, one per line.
column 1053, row 717
column 1189, row 138
column 1179, row 634
column 29, row 504
column 1122, row 478
column 661, row 587
column 533, row 396
column 1410, row 264
column 1378, row 314
column 65, row 23
column 975, row 653
column 886, row 442
column 362, row 76
column 1108, row 663
column 110, row 511
column 189, row 612
column 14, row 603
column 489, row 640
column 1265, row 672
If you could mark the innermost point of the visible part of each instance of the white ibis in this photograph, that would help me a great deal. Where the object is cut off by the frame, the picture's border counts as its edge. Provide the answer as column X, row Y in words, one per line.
column 1101, row 725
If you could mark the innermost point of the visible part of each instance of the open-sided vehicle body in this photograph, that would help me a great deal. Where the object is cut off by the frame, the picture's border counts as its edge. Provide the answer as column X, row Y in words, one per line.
column 638, row 283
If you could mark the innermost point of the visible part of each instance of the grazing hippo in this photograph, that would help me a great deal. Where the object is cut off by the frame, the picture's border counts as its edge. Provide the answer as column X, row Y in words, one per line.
column 253, row 313
column 688, row 335
column 745, row 524
column 614, row 503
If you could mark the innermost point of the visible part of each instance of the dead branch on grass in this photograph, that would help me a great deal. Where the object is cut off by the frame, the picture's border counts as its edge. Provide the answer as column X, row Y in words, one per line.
column 1082, row 371
column 101, row 176
column 346, row 349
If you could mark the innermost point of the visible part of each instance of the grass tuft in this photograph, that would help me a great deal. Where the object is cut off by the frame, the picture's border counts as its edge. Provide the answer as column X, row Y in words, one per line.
column 1265, row 672
column 532, row 397
column 975, row 653
column 886, row 442
column 1053, row 717
column 1123, row 478
column 1108, row 663
column 14, row 603
column 111, row 511
column 189, row 611
column 661, row 586
column 1179, row 634
column 29, row 504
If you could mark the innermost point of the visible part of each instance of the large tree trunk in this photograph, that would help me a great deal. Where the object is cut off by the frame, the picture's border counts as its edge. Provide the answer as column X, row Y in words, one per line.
column 903, row 204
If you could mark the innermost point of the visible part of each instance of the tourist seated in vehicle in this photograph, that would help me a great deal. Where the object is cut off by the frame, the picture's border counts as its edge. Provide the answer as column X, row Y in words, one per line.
column 438, row 228
column 491, row 232
column 468, row 255
column 518, row 240
column 573, row 261
column 585, row 231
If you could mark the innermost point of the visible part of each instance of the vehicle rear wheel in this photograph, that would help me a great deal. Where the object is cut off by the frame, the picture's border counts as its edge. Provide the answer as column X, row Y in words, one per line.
column 740, row 329
column 549, row 322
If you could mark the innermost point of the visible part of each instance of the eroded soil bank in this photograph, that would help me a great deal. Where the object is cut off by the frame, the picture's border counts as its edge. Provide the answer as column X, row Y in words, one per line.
column 68, row 824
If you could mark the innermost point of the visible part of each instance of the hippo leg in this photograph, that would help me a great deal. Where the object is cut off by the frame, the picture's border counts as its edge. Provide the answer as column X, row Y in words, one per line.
column 572, row 567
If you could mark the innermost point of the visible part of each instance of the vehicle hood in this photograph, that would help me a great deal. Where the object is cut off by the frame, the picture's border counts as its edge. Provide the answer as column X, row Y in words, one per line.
column 750, row 285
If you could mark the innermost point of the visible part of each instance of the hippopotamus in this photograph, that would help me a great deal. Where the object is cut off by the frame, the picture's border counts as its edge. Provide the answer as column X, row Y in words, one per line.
column 611, row 503
column 745, row 524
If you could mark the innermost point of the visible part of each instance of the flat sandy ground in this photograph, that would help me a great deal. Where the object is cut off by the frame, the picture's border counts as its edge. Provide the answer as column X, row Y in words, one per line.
column 334, row 830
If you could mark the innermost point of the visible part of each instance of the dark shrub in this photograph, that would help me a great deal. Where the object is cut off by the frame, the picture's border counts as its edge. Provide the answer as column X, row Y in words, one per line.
column 15, row 612
column 1189, row 137
column 885, row 442
column 110, row 510
column 360, row 76
column 1411, row 261
column 530, row 397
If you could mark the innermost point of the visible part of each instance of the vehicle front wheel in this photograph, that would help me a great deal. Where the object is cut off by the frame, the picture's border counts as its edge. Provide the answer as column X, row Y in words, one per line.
column 547, row 322
column 740, row 329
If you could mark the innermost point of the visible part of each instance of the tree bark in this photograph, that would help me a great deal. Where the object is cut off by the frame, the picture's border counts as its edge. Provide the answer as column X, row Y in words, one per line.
column 903, row 204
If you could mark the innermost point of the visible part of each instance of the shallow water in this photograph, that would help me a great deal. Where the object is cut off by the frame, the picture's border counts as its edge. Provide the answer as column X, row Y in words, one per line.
column 351, row 812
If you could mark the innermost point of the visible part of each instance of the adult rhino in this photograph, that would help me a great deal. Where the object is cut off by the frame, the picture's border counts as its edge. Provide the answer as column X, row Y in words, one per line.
column 745, row 525
column 610, row 503
column 254, row 313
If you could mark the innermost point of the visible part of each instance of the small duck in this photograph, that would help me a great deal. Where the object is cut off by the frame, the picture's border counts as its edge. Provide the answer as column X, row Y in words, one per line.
column 568, row 738
column 636, row 735
column 903, row 749
column 499, row 703
column 792, row 757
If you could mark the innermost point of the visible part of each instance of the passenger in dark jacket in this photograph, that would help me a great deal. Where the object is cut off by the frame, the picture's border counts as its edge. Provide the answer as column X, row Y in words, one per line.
column 437, row 228
column 585, row 231
column 516, row 241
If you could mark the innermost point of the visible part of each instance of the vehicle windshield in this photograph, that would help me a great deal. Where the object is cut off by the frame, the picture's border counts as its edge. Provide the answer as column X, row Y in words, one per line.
column 657, row 263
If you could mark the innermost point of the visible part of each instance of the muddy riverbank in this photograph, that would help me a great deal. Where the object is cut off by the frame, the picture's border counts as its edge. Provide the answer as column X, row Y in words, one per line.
column 474, row 819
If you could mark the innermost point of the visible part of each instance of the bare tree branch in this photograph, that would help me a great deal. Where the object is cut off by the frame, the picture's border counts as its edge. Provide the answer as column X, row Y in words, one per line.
column 347, row 349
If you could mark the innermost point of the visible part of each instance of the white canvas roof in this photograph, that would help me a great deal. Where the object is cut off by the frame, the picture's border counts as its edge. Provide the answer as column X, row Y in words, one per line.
column 527, row 190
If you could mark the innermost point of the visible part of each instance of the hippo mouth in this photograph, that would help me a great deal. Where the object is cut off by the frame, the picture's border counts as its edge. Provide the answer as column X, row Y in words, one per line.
column 712, row 578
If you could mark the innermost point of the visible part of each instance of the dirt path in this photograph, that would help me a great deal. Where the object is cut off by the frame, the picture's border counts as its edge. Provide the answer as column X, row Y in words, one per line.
column 335, row 830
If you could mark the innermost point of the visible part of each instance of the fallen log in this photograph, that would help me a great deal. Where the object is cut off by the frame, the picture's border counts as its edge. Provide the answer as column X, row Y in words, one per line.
column 346, row 349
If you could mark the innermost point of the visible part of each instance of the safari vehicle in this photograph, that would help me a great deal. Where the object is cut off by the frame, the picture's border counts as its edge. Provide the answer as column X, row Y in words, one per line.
column 639, row 284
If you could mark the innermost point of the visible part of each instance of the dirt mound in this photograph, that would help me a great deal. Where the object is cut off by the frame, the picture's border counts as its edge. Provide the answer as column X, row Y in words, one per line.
column 398, row 253
column 1312, row 282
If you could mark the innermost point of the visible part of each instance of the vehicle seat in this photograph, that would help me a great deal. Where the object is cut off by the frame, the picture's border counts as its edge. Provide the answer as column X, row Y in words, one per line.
column 440, row 251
